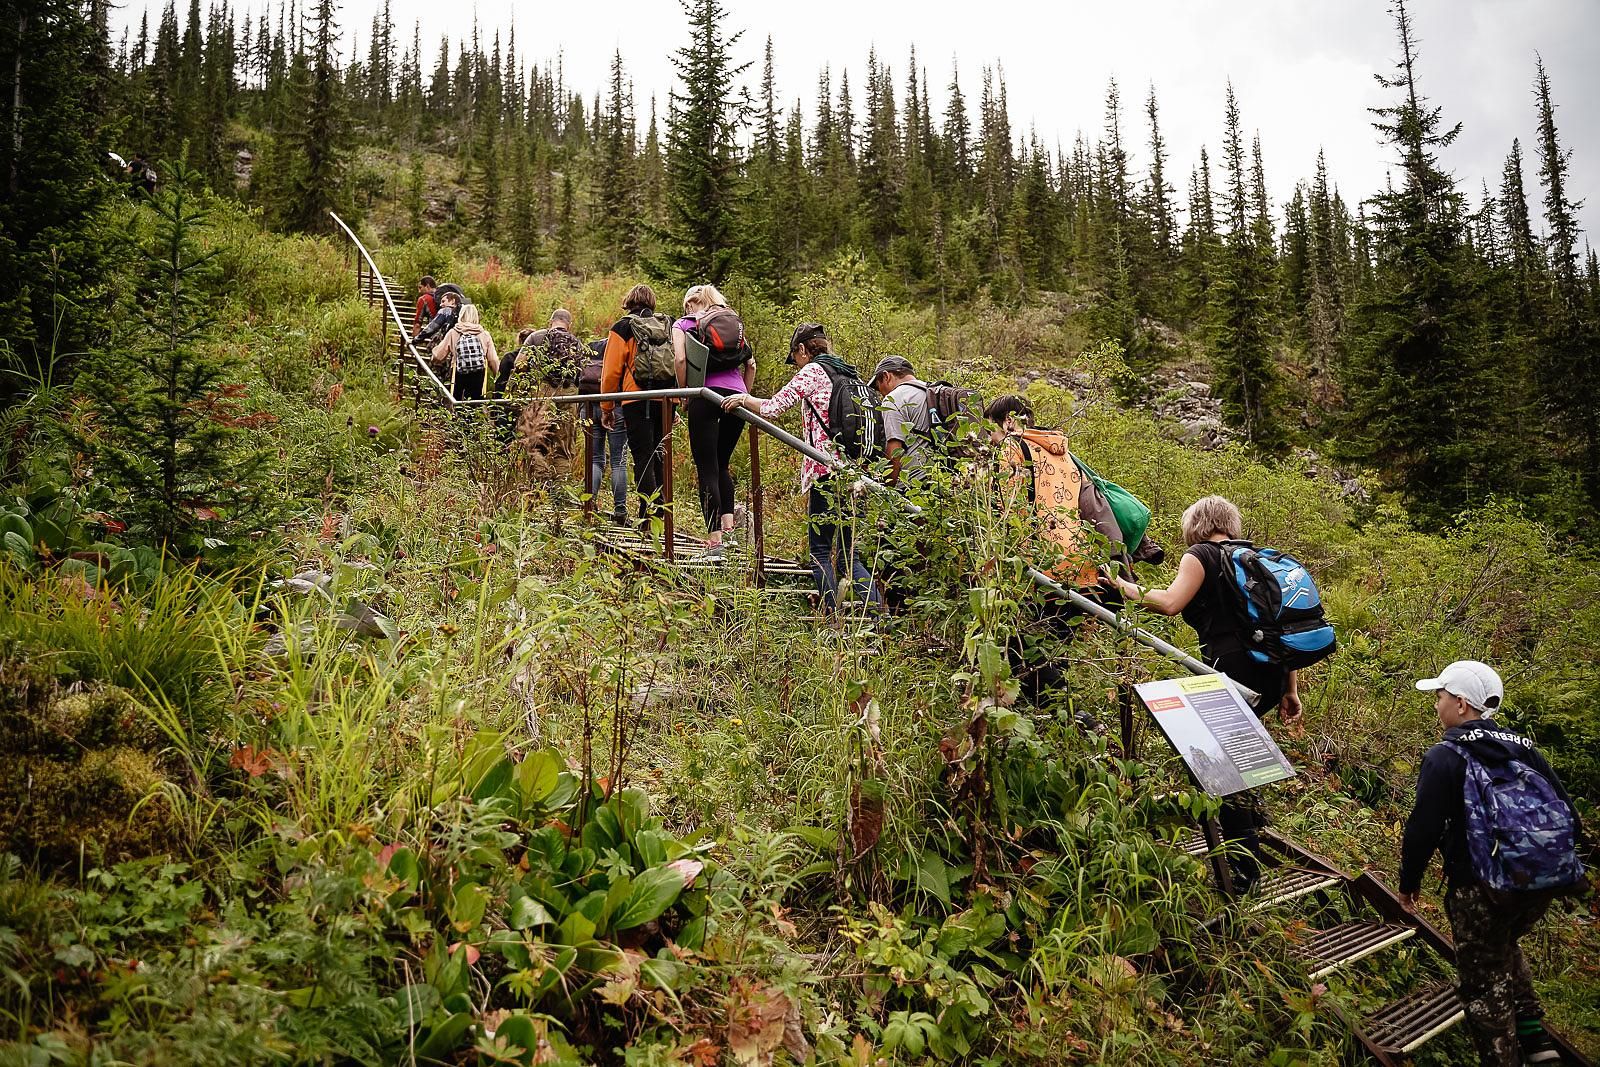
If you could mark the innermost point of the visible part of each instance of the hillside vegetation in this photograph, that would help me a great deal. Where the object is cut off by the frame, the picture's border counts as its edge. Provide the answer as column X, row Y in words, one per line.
column 613, row 815
column 332, row 738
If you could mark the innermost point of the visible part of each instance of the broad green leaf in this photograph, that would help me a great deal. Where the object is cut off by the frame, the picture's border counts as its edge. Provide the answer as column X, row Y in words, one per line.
column 933, row 877
column 519, row 1031
column 577, row 929
column 821, row 838
column 537, row 775
column 467, row 905
column 443, row 1039
column 653, row 893
column 526, row 912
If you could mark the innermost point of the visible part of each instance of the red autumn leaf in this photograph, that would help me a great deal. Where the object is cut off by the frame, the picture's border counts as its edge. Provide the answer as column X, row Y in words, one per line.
column 253, row 761
column 704, row 1053
column 688, row 869
column 386, row 853
column 472, row 952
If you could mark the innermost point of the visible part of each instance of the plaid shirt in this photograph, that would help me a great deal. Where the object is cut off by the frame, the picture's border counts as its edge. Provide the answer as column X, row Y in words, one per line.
column 813, row 386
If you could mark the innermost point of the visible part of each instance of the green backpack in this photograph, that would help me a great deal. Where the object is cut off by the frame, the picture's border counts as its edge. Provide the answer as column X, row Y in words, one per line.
column 1133, row 517
column 652, row 360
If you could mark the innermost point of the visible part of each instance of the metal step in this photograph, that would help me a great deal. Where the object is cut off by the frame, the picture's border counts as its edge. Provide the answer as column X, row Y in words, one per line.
column 1281, row 884
column 1325, row 951
column 1194, row 844
column 1405, row 1025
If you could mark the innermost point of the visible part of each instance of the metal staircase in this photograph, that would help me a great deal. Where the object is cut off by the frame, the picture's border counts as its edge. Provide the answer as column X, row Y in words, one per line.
column 1362, row 917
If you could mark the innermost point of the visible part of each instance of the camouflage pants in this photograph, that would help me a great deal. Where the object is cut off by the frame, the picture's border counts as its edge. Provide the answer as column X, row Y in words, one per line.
column 1496, row 988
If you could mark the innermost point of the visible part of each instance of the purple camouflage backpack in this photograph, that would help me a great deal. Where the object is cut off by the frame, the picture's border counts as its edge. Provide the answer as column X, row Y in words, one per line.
column 1521, row 835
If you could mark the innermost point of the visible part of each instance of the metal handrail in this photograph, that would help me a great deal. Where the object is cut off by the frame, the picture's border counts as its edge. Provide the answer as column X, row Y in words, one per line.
column 424, row 366
column 833, row 463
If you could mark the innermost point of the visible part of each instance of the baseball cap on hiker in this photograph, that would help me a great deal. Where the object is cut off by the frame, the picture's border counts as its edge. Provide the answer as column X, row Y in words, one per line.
column 891, row 365
column 803, row 333
column 1472, row 681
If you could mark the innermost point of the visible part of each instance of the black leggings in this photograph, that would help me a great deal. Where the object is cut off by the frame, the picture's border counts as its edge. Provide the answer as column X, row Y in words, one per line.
column 713, row 435
column 645, row 431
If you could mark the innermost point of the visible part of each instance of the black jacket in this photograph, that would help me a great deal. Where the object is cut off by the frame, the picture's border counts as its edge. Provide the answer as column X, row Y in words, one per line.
column 1438, row 818
column 437, row 326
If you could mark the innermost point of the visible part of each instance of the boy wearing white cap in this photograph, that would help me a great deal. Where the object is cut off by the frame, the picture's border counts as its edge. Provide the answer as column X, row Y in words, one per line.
column 1503, row 1013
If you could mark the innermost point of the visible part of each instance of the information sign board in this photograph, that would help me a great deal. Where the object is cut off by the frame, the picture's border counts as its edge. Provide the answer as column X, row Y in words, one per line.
column 1225, row 746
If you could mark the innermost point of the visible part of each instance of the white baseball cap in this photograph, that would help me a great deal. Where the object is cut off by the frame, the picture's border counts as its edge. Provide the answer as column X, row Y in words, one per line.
column 1472, row 681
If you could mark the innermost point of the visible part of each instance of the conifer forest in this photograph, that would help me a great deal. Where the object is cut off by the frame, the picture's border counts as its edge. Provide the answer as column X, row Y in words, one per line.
column 338, row 727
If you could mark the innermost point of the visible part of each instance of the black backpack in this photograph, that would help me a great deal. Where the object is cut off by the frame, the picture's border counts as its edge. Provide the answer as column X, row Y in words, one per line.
column 950, row 405
column 722, row 332
column 560, row 356
column 593, row 371
column 855, row 416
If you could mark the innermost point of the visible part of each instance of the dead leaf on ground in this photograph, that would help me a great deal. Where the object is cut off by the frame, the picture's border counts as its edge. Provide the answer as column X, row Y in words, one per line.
column 756, row 1022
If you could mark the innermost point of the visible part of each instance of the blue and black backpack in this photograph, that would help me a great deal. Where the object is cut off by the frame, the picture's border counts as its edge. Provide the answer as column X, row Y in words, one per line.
column 1521, row 835
column 1277, row 608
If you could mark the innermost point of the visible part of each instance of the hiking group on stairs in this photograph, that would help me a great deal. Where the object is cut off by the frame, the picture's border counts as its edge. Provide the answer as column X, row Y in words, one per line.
column 1486, row 799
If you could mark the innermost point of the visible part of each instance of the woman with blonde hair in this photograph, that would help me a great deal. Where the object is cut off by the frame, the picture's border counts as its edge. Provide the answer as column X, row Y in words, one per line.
column 713, row 433
column 469, row 350
column 1197, row 594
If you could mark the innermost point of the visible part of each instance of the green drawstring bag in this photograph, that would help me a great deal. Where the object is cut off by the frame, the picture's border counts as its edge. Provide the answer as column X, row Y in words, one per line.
column 1133, row 517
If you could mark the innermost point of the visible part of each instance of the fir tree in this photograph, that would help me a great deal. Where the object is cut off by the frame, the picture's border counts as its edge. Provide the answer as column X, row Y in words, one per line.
column 1240, row 307
column 171, row 439
column 701, row 238
column 1421, row 390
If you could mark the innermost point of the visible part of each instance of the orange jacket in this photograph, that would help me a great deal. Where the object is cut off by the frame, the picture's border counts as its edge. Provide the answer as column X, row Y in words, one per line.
column 616, row 371
column 1055, row 482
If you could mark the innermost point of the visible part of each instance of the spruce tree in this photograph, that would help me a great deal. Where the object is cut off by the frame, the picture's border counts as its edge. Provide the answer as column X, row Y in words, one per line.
column 616, row 205
column 317, row 180
column 171, row 440
column 1571, row 371
column 524, row 212
column 1240, row 326
column 701, row 238
column 52, row 152
column 1421, row 388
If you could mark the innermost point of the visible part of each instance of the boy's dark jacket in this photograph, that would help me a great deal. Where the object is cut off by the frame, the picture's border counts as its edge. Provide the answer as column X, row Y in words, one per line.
column 1438, row 819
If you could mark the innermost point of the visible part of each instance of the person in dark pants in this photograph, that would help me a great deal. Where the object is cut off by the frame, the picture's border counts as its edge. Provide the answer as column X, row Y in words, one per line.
column 1197, row 594
column 713, row 433
column 1503, row 1011
column 647, row 426
column 830, row 531
column 468, row 352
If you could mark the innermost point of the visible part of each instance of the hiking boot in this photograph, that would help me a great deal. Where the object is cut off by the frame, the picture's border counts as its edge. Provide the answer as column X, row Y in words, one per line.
column 619, row 518
column 711, row 554
column 1538, row 1048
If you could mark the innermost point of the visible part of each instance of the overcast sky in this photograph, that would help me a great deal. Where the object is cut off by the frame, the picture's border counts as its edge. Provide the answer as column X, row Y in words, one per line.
column 1302, row 69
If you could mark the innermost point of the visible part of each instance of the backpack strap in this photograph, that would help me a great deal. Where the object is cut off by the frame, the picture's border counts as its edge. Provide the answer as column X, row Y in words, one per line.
column 1027, row 460
column 929, row 407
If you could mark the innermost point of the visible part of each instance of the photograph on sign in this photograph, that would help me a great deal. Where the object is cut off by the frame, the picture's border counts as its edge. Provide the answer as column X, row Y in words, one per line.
column 1225, row 746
